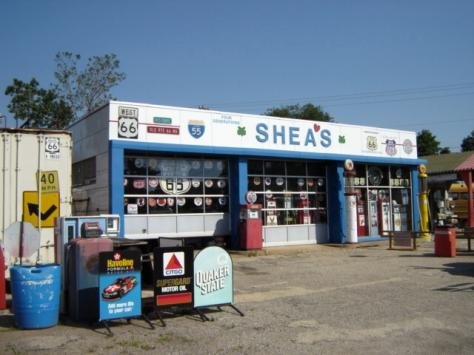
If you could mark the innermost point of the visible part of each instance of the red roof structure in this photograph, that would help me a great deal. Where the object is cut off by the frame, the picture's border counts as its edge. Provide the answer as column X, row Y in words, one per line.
column 467, row 164
column 465, row 169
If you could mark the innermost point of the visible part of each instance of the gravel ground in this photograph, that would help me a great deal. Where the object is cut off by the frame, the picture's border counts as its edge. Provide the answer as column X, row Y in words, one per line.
column 318, row 299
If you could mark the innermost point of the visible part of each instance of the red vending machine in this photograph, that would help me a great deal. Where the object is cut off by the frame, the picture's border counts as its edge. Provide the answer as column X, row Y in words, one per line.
column 83, row 277
column 251, row 227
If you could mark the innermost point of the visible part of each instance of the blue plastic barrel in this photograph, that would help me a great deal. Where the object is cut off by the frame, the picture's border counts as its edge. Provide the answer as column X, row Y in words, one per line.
column 35, row 295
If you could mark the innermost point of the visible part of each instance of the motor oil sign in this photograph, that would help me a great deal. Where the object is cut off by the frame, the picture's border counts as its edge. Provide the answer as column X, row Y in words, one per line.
column 120, row 291
column 213, row 281
column 173, row 276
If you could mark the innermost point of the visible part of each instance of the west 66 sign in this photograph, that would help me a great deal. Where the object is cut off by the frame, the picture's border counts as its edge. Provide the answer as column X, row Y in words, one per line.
column 128, row 122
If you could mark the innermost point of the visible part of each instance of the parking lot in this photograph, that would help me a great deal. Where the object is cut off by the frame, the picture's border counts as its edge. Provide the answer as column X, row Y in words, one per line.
column 362, row 299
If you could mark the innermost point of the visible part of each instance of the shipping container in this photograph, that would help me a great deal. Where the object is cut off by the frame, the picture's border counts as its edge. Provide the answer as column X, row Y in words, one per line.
column 35, row 184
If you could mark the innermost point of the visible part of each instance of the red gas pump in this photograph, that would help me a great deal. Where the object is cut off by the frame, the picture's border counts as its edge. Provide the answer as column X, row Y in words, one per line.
column 362, row 229
column 251, row 226
column 3, row 303
column 304, row 216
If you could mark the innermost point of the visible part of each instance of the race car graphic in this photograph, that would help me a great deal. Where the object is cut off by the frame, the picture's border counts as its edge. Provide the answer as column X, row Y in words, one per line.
column 119, row 288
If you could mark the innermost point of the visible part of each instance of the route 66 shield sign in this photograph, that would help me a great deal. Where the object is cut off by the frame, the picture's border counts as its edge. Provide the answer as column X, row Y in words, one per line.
column 391, row 147
column 196, row 128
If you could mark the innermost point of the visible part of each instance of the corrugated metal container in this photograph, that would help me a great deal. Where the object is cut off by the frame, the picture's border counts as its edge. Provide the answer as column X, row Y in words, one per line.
column 35, row 183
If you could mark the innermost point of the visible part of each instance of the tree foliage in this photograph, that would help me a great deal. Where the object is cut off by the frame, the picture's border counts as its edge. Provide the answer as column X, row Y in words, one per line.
column 468, row 143
column 445, row 150
column 305, row 112
column 39, row 108
column 89, row 88
column 76, row 91
column 426, row 143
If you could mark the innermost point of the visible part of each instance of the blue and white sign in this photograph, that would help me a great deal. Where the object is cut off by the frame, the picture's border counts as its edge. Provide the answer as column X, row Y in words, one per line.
column 196, row 128
column 120, row 291
column 213, row 279
column 207, row 128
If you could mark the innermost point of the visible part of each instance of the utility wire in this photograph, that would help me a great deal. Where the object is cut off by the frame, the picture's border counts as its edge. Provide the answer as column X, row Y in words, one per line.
column 361, row 95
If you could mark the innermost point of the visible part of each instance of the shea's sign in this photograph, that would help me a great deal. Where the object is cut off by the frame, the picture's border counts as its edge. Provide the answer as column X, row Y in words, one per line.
column 213, row 282
column 207, row 128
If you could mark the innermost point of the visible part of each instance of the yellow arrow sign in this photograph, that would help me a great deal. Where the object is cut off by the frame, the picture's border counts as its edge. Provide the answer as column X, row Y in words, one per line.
column 43, row 214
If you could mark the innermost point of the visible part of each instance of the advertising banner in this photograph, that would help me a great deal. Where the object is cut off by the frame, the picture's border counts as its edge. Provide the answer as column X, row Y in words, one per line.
column 207, row 128
column 120, row 291
column 213, row 280
column 173, row 276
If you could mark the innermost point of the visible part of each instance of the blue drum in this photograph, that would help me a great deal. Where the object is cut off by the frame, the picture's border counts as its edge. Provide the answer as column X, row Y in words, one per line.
column 35, row 295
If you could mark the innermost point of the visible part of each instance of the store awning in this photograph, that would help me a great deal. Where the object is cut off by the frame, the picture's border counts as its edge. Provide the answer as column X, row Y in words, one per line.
column 465, row 169
column 466, row 165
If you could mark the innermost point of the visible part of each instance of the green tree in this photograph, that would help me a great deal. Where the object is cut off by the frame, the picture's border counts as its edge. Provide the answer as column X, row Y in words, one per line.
column 468, row 143
column 426, row 143
column 37, row 107
column 305, row 112
column 445, row 150
column 88, row 88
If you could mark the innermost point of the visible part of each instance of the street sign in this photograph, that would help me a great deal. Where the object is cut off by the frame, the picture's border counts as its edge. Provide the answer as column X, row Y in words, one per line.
column 40, row 215
column 48, row 181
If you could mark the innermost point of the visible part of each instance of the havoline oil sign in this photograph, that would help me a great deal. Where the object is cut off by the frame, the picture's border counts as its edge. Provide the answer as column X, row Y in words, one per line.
column 120, row 291
column 173, row 276
column 213, row 281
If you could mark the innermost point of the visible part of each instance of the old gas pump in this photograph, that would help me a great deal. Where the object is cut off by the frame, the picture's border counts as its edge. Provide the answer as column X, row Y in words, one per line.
column 3, row 304
column 350, row 202
column 251, row 224
column 362, row 229
column 303, row 215
column 424, row 208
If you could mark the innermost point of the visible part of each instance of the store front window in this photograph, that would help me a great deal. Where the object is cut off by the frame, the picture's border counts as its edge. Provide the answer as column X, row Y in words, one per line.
column 383, row 199
column 162, row 185
column 290, row 192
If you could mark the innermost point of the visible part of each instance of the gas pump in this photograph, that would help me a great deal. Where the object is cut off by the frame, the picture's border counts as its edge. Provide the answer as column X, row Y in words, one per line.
column 397, row 220
column 350, row 202
column 251, row 226
column 385, row 220
column 362, row 229
column 68, row 228
column 303, row 214
column 372, row 213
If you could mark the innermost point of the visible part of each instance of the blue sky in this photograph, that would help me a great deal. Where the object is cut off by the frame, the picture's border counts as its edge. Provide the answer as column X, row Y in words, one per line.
column 395, row 64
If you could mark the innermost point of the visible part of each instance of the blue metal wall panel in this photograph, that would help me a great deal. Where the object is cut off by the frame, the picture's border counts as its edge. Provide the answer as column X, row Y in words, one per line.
column 335, row 200
column 116, row 190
